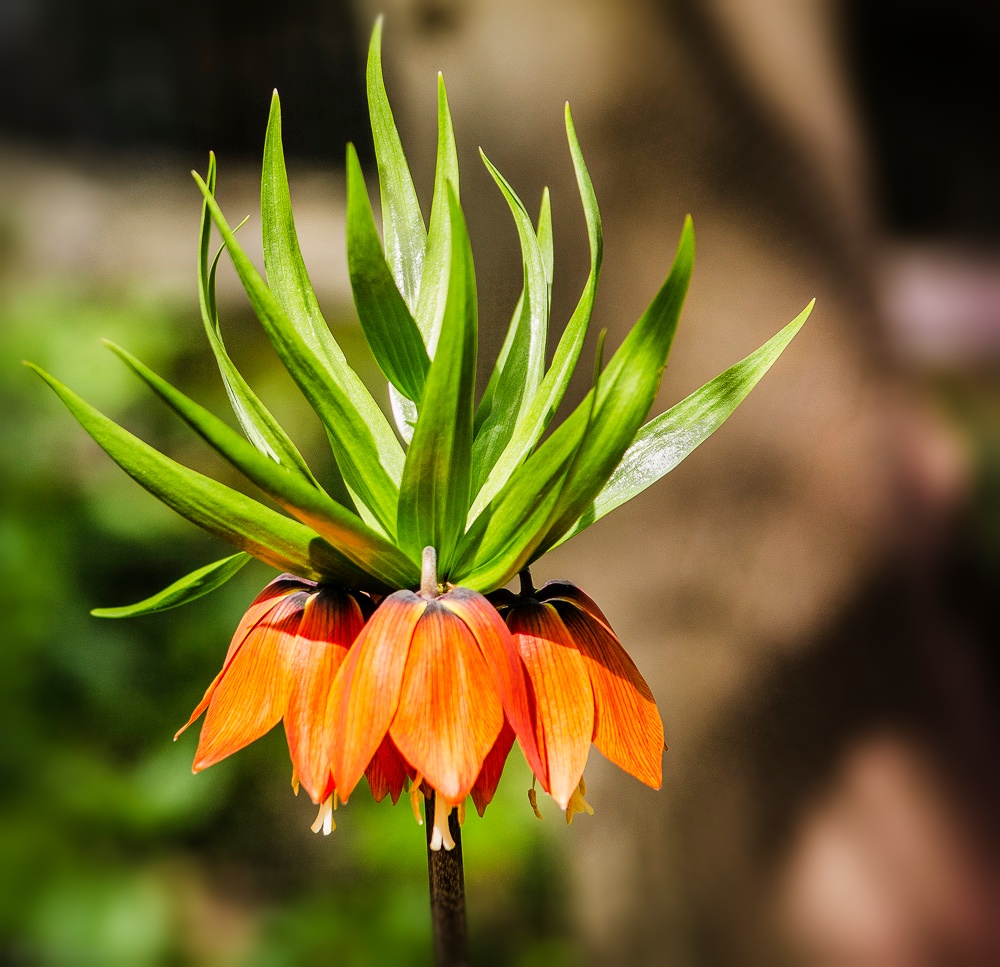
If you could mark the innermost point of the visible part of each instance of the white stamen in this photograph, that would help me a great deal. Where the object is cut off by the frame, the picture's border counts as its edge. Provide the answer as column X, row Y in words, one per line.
column 324, row 821
column 441, row 834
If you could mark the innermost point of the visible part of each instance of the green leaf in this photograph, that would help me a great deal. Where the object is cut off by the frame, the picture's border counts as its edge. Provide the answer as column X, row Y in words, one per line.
column 366, row 549
column 434, row 495
column 388, row 326
column 290, row 283
column 546, row 401
column 434, row 279
column 670, row 437
column 544, row 236
column 545, row 243
column 367, row 452
column 502, row 539
column 260, row 427
column 433, row 296
column 402, row 223
column 188, row 588
column 627, row 391
column 521, row 364
column 225, row 513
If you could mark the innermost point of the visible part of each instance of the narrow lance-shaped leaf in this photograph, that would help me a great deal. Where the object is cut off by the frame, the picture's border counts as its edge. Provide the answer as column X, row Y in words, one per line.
column 545, row 243
column 260, row 427
column 370, row 470
column 429, row 309
column 388, row 326
column 544, row 236
column 503, row 539
column 628, row 390
column 434, row 495
column 536, row 417
column 221, row 511
column 584, row 450
column 402, row 222
column 188, row 588
column 371, row 554
column 520, row 369
column 670, row 437
column 357, row 450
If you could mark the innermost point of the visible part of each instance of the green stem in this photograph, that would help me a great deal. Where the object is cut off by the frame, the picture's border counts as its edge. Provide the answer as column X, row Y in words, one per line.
column 447, row 885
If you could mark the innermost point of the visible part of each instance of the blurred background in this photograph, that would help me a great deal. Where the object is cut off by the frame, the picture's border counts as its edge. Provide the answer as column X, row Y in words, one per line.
column 812, row 595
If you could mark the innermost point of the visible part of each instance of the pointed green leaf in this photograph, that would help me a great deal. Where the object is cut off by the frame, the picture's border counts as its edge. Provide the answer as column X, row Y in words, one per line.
column 223, row 512
column 367, row 452
column 188, row 588
column 402, row 223
column 368, row 550
column 545, row 243
column 503, row 539
column 521, row 367
column 544, row 236
column 388, row 326
column 542, row 408
column 290, row 284
column 670, row 437
column 430, row 306
column 627, row 391
column 434, row 495
column 260, row 427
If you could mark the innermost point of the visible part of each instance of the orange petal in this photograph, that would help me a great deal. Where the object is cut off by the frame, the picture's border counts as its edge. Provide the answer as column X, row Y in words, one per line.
column 489, row 777
column 386, row 773
column 505, row 663
column 449, row 711
column 332, row 619
column 627, row 726
column 253, row 691
column 365, row 693
column 263, row 604
column 556, row 591
column 564, row 699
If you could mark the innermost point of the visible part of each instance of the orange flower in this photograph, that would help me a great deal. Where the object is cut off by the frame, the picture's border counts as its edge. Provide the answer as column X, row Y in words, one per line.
column 586, row 689
column 439, row 679
column 280, row 665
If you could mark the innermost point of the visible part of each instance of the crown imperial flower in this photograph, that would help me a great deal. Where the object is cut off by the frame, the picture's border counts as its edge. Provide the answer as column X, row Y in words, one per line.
column 378, row 662
column 586, row 689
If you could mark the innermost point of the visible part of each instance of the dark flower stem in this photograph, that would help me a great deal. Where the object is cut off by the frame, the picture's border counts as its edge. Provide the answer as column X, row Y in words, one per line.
column 527, row 588
column 447, row 883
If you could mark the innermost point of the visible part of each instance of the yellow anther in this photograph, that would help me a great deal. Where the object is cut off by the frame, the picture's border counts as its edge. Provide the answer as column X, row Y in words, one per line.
column 461, row 813
column 533, row 802
column 417, row 799
column 577, row 804
column 295, row 781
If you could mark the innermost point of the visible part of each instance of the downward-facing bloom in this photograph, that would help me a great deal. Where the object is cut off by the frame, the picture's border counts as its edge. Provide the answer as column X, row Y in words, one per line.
column 438, row 681
column 586, row 689
column 281, row 665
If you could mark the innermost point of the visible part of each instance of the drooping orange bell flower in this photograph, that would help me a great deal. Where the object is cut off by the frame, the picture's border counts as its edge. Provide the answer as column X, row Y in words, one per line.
column 281, row 663
column 586, row 689
column 438, row 677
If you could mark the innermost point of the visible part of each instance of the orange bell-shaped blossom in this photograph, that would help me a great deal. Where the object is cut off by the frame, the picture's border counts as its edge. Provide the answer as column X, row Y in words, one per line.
column 586, row 689
column 281, row 664
column 439, row 677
